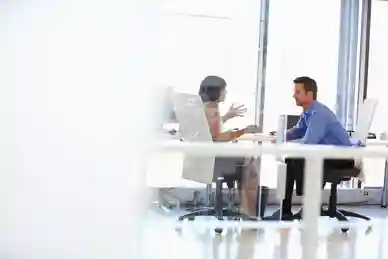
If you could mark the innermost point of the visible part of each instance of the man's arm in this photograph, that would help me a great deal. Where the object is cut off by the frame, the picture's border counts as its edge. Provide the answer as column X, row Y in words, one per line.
column 296, row 132
column 316, row 129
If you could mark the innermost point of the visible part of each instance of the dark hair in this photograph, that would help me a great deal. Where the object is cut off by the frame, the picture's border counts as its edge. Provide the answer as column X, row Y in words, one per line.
column 309, row 85
column 211, row 87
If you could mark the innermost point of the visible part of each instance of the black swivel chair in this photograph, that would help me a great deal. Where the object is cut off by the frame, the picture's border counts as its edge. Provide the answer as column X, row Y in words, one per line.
column 335, row 177
column 229, row 171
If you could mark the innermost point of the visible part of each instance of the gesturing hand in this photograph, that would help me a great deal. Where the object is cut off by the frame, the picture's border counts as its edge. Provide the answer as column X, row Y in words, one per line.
column 236, row 111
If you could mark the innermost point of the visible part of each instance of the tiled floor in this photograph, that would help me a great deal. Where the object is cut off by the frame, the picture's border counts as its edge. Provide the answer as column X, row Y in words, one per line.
column 163, row 241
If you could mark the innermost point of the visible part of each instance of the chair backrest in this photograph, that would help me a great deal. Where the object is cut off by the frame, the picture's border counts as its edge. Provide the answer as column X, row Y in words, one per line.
column 193, row 126
column 189, row 111
column 365, row 116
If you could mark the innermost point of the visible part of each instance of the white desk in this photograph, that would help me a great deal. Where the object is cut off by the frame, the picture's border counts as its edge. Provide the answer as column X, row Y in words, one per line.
column 377, row 142
column 264, row 137
column 173, row 164
column 257, row 137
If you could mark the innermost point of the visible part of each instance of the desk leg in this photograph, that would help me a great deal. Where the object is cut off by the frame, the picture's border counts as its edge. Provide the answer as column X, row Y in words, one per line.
column 259, row 190
column 384, row 193
column 209, row 194
column 311, row 206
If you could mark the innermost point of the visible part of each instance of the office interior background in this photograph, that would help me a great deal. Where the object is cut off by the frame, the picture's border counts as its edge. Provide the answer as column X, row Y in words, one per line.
column 72, row 184
column 342, row 44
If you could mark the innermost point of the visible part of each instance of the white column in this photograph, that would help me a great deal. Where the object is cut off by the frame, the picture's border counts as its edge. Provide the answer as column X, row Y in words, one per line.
column 311, row 206
column 352, row 253
column 381, row 244
column 75, row 107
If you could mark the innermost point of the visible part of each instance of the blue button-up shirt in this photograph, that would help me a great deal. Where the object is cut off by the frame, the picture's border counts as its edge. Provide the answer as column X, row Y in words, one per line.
column 319, row 125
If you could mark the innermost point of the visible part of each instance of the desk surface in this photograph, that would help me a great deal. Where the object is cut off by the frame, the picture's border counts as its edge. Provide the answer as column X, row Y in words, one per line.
column 257, row 137
column 265, row 137
column 376, row 142
column 165, row 169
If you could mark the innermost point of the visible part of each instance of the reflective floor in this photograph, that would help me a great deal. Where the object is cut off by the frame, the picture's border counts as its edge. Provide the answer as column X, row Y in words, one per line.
column 163, row 241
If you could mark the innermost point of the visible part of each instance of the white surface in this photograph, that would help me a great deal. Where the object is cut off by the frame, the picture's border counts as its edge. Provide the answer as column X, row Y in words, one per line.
column 200, row 240
column 193, row 126
column 72, row 127
column 376, row 142
column 264, row 137
column 273, row 242
column 287, row 149
column 259, row 137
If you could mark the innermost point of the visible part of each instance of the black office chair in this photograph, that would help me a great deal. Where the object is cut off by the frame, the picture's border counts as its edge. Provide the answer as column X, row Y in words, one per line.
column 229, row 171
column 335, row 177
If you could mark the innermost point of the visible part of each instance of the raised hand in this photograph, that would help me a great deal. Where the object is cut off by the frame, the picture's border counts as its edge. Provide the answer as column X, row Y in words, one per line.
column 236, row 111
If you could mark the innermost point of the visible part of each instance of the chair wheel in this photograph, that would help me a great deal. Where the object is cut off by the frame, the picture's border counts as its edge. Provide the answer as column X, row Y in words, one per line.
column 178, row 227
column 191, row 218
column 344, row 230
column 218, row 230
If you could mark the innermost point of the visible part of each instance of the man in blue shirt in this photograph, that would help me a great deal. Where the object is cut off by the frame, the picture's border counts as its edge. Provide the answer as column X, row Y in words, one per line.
column 317, row 125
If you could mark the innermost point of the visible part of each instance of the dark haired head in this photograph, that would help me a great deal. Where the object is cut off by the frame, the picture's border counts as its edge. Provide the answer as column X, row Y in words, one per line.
column 309, row 85
column 211, row 88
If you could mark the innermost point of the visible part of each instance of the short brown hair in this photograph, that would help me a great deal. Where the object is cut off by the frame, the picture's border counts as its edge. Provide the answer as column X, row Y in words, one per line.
column 211, row 87
column 309, row 85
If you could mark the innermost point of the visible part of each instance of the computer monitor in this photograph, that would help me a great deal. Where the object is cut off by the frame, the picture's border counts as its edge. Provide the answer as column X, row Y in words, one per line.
column 292, row 120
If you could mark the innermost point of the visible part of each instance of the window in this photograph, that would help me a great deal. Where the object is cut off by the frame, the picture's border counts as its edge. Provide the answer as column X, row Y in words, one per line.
column 378, row 84
column 200, row 38
column 302, row 42
column 378, row 61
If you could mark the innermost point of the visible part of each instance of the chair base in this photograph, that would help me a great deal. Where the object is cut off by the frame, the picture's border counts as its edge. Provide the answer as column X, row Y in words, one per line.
column 280, row 216
column 212, row 212
column 353, row 214
column 341, row 215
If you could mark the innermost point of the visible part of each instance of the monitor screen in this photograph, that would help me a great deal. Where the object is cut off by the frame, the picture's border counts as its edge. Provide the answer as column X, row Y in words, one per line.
column 292, row 120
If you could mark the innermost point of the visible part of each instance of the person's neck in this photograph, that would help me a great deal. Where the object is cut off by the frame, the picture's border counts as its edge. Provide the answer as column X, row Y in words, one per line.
column 307, row 105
